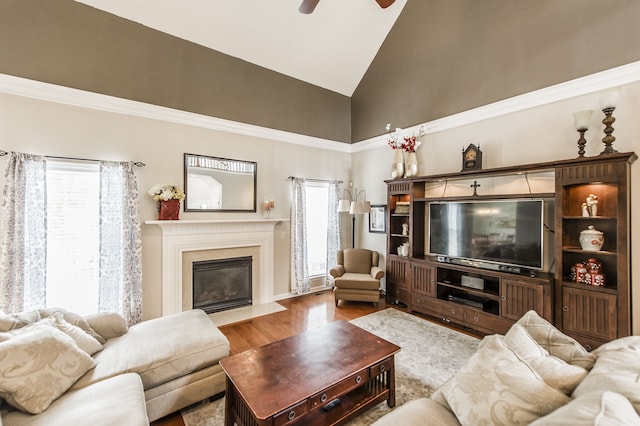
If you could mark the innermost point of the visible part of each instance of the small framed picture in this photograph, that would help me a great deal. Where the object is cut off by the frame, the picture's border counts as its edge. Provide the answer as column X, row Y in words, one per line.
column 378, row 219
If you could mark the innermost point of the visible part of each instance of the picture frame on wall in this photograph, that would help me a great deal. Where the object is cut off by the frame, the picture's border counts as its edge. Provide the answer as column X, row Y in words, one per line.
column 378, row 218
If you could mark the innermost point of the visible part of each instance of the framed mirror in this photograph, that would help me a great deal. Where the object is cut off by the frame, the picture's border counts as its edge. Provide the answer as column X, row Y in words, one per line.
column 213, row 184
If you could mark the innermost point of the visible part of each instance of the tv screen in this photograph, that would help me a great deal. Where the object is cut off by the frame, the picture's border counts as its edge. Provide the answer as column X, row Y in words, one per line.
column 506, row 232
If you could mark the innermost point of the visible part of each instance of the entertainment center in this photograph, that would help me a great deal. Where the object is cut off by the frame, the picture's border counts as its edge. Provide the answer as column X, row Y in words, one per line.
column 486, row 246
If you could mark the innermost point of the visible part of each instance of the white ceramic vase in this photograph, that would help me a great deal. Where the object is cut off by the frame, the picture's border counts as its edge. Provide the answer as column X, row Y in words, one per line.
column 397, row 168
column 411, row 168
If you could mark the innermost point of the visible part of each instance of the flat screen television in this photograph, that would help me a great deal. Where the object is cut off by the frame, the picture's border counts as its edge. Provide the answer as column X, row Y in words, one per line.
column 496, row 234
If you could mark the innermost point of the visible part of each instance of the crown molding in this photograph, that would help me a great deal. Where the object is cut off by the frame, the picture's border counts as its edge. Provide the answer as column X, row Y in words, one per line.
column 604, row 80
column 66, row 95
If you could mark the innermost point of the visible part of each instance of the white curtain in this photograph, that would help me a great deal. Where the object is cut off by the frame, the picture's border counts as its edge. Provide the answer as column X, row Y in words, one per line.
column 23, row 251
column 23, row 241
column 299, row 260
column 120, row 242
column 333, row 228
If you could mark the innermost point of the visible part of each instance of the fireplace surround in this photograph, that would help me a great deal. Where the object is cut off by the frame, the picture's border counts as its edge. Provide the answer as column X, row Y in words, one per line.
column 184, row 241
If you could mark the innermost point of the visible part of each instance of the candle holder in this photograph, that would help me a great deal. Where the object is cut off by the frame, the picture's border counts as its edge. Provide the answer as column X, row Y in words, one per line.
column 608, row 140
column 582, row 120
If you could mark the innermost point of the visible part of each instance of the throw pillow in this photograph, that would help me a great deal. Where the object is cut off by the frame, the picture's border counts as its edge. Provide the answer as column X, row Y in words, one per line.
column 617, row 369
column 73, row 319
column 10, row 322
column 497, row 387
column 84, row 341
column 39, row 363
column 557, row 343
column 600, row 408
column 554, row 371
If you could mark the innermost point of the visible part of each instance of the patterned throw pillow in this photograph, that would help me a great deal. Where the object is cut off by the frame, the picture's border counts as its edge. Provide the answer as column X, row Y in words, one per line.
column 73, row 319
column 598, row 408
column 554, row 371
column 10, row 322
column 497, row 387
column 39, row 363
column 84, row 341
column 617, row 369
column 557, row 343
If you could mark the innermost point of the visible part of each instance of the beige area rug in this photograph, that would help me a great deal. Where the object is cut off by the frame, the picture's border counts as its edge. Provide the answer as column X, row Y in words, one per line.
column 430, row 355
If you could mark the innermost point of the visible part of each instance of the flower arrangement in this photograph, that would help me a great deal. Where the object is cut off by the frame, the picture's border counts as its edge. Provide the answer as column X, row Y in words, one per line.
column 164, row 192
column 408, row 143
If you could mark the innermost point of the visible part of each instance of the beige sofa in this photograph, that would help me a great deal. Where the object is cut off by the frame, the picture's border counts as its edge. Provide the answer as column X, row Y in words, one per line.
column 536, row 375
column 137, row 374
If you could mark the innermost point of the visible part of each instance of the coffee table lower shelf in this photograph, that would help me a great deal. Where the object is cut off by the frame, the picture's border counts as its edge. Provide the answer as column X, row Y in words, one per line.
column 351, row 405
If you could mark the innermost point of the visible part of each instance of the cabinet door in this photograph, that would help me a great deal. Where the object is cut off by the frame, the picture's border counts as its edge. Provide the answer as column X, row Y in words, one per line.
column 590, row 313
column 397, row 281
column 422, row 280
column 520, row 296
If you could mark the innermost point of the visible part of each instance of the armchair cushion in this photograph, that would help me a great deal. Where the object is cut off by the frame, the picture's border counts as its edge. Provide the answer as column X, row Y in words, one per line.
column 359, row 261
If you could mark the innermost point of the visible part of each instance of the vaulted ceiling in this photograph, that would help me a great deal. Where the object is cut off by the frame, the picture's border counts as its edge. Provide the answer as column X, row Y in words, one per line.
column 331, row 47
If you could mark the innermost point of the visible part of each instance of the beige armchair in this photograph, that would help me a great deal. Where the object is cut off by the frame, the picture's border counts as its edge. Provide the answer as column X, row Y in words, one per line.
column 357, row 276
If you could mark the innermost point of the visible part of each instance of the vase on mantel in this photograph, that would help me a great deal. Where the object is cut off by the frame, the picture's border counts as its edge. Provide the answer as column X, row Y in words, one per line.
column 411, row 167
column 397, row 167
column 168, row 209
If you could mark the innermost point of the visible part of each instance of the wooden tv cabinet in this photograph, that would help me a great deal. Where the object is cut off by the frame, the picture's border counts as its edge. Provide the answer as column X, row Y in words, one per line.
column 591, row 314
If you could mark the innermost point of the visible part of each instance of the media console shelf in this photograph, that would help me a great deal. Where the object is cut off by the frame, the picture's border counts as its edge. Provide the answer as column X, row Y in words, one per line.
column 490, row 300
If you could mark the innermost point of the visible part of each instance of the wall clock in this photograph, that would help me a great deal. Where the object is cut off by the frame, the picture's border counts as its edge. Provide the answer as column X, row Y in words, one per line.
column 471, row 158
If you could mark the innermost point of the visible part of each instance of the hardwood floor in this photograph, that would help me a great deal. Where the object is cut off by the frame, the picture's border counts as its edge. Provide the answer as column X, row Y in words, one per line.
column 303, row 313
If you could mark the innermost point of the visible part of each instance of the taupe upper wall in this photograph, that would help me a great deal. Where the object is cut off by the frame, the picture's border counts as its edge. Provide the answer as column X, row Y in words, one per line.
column 70, row 44
column 447, row 56
column 441, row 57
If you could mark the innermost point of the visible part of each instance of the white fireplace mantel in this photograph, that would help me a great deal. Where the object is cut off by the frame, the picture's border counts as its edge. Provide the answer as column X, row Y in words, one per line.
column 179, row 236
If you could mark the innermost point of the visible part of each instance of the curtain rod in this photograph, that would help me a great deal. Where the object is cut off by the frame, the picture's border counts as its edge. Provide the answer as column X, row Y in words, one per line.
column 135, row 163
column 316, row 180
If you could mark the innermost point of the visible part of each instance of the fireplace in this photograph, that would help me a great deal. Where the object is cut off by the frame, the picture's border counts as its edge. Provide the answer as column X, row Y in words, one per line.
column 221, row 284
column 184, row 241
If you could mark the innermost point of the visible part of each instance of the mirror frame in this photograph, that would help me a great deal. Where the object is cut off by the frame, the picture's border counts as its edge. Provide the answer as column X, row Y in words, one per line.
column 221, row 159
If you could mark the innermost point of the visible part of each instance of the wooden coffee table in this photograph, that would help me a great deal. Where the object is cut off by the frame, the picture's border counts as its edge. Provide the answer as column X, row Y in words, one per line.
column 324, row 376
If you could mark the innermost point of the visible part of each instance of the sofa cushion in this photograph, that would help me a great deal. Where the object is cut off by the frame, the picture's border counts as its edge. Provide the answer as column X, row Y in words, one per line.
column 10, row 322
column 617, row 369
column 85, row 341
column 557, row 343
column 113, row 402
column 357, row 282
column 419, row 412
column 497, row 387
column 554, row 371
column 108, row 324
column 600, row 408
column 161, row 349
column 39, row 363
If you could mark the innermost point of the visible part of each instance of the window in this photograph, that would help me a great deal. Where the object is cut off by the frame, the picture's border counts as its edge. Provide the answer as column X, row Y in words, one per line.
column 73, row 235
column 317, row 211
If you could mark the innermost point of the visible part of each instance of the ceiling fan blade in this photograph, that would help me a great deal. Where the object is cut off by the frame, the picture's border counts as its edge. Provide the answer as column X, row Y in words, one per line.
column 308, row 6
column 385, row 3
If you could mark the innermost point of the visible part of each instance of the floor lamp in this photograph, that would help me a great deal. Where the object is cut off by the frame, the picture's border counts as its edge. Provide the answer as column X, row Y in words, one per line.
column 354, row 207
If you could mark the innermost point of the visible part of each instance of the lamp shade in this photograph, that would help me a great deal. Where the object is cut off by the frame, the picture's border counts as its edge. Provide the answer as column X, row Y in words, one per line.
column 360, row 207
column 344, row 205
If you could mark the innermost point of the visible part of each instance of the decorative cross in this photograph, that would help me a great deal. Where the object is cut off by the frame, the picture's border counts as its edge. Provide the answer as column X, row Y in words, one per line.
column 475, row 188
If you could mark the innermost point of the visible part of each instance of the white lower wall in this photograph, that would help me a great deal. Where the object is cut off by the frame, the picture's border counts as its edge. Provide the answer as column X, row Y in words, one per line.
column 51, row 128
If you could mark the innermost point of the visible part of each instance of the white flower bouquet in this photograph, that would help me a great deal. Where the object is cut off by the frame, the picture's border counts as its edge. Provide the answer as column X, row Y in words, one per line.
column 164, row 192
